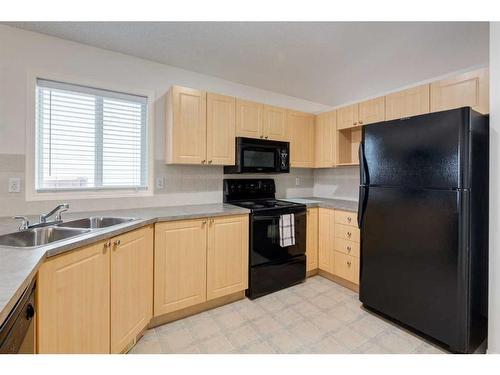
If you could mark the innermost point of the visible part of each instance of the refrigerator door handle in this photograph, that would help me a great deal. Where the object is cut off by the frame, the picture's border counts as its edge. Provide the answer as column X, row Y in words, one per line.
column 363, row 173
column 363, row 193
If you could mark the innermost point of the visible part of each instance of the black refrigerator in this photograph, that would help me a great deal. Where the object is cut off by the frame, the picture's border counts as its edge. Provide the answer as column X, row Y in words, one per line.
column 423, row 217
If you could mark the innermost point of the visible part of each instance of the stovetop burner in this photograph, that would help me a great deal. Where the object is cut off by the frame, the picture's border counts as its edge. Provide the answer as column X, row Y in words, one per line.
column 267, row 203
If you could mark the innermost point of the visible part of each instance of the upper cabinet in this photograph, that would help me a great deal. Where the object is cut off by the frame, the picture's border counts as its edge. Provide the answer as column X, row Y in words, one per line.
column 220, row 129
column 274, row 127
column 326, row 136
column 186, row 126
column 466, row 89
column 249, row 119
column 347, row 117
column 406, row 103
column 301, row 134
column 200, row 127
column 371, row 111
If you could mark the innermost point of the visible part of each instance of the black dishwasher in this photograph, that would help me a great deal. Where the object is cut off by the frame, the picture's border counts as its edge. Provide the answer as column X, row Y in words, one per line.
column 17, row 332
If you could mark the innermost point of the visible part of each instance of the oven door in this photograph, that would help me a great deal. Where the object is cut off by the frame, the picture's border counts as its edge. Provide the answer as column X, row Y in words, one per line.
column 264, row 236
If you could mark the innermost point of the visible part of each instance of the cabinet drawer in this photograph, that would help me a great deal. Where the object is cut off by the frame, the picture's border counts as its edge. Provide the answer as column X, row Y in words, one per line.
column 346, row 218
column 347, row 232
column 347, row 247
column 346, row 267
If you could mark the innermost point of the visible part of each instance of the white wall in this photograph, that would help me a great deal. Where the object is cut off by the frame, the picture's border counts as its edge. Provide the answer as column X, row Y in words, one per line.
column 494, row 269
column 23, row 51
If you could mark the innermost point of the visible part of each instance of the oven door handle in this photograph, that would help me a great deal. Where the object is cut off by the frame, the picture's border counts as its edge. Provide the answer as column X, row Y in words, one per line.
column 268, row 217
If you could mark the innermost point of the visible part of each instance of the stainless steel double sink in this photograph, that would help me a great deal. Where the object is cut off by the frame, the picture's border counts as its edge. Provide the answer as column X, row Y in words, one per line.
column 52, row 233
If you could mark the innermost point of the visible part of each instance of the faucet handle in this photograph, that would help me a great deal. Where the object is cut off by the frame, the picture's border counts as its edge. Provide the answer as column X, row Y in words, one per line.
column 64, row 208
column 25, row 222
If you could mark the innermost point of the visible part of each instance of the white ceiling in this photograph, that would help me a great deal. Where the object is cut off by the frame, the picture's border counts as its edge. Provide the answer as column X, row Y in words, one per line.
column 324, row 62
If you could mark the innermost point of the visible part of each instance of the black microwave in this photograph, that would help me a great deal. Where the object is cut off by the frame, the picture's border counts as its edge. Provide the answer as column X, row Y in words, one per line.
column 260, row 156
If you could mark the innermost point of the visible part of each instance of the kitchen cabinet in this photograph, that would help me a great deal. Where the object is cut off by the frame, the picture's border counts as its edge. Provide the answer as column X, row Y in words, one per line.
column 180, row 276
column 131, row 286
column 410, row 102
column 275, row 124
column 98, row 298
column 326, row 140
column 199, row 260
column 348, row 141
column 74, row 302
column 220, row 129
column 347, row 239
column 312, row 239
column 301, row 135
column 346, row 267
column 186, row 126
column 470, row 89
column 326, row 238
column 371, row 111
column 249, row 119
column 347, row 117
column 227, row 255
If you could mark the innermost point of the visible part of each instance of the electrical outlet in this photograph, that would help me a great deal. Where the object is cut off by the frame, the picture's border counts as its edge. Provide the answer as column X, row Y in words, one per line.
column 14, row 185
column 297, row 181
column 160, row 182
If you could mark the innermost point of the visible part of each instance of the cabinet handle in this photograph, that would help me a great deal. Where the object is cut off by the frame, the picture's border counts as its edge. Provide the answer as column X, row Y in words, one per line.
column 360, row 122
column 261, row 136
column 349, row 263
column 203, row 161
column 105, row 247
column 349, row 219
column 349, row 234
column 265, row 137
column 203, row 223
column 355, row 123
column 211, row 221
column 117, row 242
column 348, row 249
column 210, row 162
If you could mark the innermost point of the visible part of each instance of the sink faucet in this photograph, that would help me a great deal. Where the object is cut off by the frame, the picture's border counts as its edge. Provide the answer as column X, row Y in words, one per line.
column 59, row 209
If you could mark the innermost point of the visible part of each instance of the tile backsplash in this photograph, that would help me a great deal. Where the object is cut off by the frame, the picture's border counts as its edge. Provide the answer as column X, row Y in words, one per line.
column 341, row 183
column 183, row 184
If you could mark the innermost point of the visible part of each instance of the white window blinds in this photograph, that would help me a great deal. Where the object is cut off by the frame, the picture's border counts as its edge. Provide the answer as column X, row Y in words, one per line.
column 89, row 139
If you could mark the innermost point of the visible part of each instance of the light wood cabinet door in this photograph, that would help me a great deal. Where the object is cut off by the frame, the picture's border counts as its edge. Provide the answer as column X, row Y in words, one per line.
column 227, row 255
column 347, row 117
column 312, row 239
column 326, row 239
column 301, row 134
column 186, row 126
column 411, row 102
column 131, row 286
column 220, row 129
column 73, row 302
column 275, row 123
column 371, row 111
column 180, row 276
column 469, row 89
column 326, row 140
column 249, row 119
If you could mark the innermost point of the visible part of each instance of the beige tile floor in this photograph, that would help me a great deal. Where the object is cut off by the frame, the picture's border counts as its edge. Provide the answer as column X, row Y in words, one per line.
column 317, row 316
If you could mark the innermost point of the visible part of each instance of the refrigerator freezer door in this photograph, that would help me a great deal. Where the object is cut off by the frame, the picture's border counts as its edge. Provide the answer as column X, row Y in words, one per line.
column 422, row 151
column 411, row 256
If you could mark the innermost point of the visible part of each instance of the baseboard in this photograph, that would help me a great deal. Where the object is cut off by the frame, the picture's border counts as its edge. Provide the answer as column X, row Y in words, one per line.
column 196, row 309
column 311, row 273
column 346, row 284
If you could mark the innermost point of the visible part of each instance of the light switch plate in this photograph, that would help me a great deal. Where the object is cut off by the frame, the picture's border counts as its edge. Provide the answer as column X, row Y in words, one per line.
column 160, row 182
column 14, row 185
column 297, row 181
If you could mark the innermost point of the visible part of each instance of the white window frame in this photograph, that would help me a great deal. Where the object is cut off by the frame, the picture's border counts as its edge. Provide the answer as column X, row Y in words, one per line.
column 30, row 148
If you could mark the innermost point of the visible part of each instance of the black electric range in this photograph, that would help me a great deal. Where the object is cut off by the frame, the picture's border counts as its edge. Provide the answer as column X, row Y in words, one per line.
column 272, row 267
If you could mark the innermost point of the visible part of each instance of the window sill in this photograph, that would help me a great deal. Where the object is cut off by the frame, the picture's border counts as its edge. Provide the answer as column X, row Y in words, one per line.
column 70, row 195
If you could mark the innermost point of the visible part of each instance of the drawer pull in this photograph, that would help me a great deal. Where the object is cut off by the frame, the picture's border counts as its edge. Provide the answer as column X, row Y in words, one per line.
column 349, row 263
column 118, row 242
column 349, row 219
column 349, row 234
column 348, row 249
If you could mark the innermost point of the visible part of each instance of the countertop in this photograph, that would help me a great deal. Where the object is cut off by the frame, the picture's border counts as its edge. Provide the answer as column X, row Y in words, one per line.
column 339, row 204
column 19, row 266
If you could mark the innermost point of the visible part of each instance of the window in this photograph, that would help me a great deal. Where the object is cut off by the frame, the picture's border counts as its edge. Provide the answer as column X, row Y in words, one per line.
column 89, row 139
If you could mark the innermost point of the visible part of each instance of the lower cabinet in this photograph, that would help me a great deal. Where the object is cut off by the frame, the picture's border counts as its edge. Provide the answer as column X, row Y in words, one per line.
column 199, row 260
column 98, row 298
column 326, row 239
column 312, row 239
column 180, row 265
column 73, row 302
column 131, row 286
column 338, row 244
